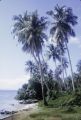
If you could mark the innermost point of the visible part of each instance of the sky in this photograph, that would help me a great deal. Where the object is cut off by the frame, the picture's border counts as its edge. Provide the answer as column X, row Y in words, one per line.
column 12, row 58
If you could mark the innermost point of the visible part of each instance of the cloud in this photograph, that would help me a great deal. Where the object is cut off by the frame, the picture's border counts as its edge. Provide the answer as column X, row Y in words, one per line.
column 75, row 41
column 13, row 84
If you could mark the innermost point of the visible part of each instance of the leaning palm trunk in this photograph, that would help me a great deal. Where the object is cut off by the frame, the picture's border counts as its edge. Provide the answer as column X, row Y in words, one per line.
column 45, row 81
column 70, row 66
column 66, row 77
column 63, row 77
column 42, row 81
column 55, row 63
column 62, row 66
column 65, row 72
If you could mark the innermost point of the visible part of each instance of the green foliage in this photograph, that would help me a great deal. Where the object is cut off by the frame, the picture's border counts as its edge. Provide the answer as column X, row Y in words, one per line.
column 22, row 93
column 32, row 91
column 75, row 100
column 30, row 30
column 65, row 100
column 70, row 110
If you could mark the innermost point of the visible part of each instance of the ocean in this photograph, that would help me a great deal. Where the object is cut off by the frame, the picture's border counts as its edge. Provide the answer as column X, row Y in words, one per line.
column 7, row 98
column 8, row 101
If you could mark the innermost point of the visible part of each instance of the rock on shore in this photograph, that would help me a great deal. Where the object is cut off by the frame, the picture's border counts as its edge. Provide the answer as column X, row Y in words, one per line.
column 5, row 112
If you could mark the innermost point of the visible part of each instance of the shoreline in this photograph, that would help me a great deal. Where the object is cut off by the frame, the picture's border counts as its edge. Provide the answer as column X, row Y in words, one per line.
column 28, row 108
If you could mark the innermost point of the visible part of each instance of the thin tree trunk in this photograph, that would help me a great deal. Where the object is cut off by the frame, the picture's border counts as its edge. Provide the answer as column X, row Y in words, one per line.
column 62, row 68
column 65, row 72
column 55, row 63
column 63, row 77
column 70, row 66
column 42, row 82
column 35, row 58
column 66, row 77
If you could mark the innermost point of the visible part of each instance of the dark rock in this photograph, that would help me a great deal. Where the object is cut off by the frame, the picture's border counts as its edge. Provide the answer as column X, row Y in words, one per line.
column 30, row 101
column 5, row 112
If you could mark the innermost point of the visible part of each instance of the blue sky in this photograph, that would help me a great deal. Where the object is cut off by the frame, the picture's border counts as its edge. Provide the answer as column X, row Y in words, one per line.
column 12, row 59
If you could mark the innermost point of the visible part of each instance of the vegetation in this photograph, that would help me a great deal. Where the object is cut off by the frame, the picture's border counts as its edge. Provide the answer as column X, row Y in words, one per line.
column 46, row 83
column 63, row 20
column 54, row 114
column 30, row 32
column 60, row 93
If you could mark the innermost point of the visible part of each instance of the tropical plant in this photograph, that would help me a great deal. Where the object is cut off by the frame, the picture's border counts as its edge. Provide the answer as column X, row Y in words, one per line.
column 53, row 53
column 62, row 28
column 30, row 31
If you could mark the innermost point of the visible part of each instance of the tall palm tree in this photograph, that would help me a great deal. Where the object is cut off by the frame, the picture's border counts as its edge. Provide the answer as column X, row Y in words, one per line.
column 30, row 66
column 53, row 53
column 30, row 31
column 33, row 69
column 62, row 28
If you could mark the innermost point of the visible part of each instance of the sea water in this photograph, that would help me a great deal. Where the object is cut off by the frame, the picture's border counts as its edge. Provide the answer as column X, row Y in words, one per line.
column 7, row 98
column 8, row 101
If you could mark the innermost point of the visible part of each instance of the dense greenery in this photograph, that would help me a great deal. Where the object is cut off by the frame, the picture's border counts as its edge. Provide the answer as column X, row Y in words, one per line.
column 50, row 113
column 49, row 84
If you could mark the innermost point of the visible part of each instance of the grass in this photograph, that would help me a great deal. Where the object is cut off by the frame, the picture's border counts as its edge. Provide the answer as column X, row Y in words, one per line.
column 56, row 114
column 45, row 113
column 55, row 111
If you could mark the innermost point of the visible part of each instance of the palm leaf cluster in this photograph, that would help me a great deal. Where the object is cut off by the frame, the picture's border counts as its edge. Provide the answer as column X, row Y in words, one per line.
column 29, row 29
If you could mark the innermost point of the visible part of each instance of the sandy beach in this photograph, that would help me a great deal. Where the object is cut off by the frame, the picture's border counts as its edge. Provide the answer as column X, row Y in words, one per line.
column 26, row 110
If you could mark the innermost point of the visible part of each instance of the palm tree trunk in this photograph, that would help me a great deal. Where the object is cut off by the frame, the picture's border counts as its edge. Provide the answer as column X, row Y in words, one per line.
column 45, row 81
column 42, row 82
column 62, row 68
column 63, row 77
column 65, row 72
column 70, row 66
column 66, row 77
column 55, row 63
column 35, row 58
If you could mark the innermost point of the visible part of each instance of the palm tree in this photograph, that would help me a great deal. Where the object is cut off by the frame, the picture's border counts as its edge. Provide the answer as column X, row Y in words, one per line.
column 30, row 67
column 62, row 28
column 53, row 53
column 30, row 31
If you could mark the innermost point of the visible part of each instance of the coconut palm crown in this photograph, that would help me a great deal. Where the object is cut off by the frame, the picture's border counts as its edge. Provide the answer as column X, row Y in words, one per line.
column 30, row 31
column 63, row 20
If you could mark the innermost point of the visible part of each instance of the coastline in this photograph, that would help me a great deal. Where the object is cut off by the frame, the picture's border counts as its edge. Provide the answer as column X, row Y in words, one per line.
column 27, row 109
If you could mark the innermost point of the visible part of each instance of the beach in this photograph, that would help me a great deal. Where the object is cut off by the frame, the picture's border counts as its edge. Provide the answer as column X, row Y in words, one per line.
column 26, row 110
column 10, row 107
